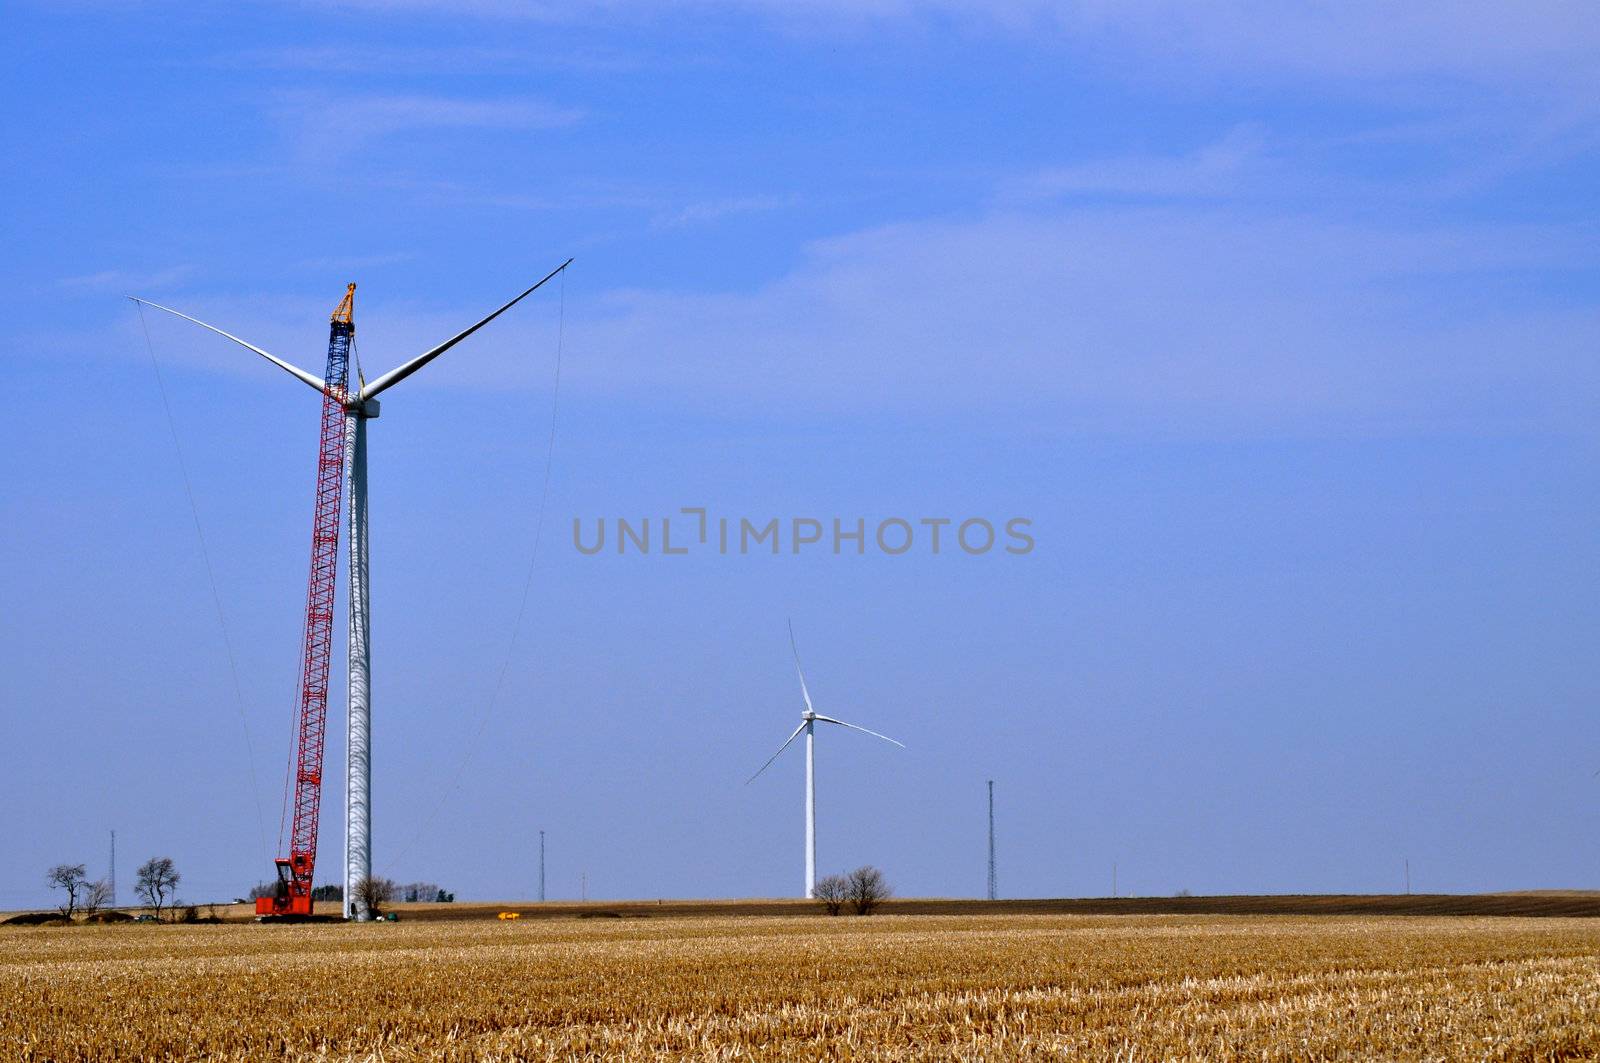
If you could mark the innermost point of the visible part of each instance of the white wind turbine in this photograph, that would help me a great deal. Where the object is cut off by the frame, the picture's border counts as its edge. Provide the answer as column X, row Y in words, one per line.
column 360, row 406
column 808, row 721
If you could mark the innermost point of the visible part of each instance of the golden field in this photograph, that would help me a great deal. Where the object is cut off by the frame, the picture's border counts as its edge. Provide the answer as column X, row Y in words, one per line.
column 754, row 988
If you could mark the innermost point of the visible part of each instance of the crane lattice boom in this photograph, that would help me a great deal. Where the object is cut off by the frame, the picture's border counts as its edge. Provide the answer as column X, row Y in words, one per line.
column 293, row 893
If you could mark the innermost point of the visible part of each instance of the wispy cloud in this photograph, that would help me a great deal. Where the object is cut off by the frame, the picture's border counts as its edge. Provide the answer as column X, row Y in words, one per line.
column 349, row 262
column 324, row 126
column 1178, row 320
column 1135, row 318
column 1216, row 170
column 1184, row 319
column 127, row 282
column 423, row 60
column 711, row 210
column 1536, row 41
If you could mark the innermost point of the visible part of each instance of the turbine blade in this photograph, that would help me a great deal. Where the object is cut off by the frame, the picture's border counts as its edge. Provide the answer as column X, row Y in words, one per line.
column 803, row 691
column 775, row 756
column 854, row 727
column 310, row 379
column 394, row 376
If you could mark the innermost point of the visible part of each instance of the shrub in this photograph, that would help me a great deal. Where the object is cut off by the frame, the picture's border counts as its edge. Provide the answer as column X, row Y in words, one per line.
column 831, row 892
column 867, row 889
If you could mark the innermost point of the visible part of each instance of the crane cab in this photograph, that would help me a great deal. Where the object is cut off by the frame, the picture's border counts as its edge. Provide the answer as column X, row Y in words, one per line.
column 291, row 894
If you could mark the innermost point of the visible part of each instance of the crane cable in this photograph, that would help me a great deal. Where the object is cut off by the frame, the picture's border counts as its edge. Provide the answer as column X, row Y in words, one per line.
column 522, row 607
column 211, row 577
column 289, row 762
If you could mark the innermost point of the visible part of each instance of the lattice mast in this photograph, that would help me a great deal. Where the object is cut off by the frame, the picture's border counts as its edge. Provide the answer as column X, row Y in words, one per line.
column 994, row 886
column 293, row 893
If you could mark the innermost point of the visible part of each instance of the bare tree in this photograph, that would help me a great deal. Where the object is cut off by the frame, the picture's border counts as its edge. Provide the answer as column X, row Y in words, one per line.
column 157, row 882
column 372, row 893
column 70, row 877
column 868, row 889
column 96, row 895
column 832, row 891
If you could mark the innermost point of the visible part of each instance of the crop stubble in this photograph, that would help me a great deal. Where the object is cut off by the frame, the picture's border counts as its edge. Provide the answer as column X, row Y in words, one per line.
column 1011, row 987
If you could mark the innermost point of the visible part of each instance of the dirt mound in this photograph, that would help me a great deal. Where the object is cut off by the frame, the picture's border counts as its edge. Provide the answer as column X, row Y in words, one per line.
column 57, row 919
column 38, row 919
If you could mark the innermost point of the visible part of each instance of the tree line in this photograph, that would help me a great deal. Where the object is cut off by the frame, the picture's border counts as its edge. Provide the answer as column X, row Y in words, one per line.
column 384, row 889
column 863, row 889
column 156, row 883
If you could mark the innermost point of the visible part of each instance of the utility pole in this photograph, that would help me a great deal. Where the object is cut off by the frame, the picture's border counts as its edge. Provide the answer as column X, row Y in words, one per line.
column 111, row 872
column 993, row 890
column 1408, row 876
column 541, row 866
column 583, row 890
column 1113, row 878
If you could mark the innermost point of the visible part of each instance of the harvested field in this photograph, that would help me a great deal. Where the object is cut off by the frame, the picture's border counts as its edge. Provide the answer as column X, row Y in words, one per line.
column 1569, row 903
column 892, row 987
column 1545, row 903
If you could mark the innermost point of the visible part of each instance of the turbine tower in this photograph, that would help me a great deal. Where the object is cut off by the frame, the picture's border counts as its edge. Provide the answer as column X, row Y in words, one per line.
column 808, row 721
column 359, row 405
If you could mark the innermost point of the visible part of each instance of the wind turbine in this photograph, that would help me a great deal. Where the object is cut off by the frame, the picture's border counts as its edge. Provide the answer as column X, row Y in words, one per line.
column 359, row 405
column 808, row 723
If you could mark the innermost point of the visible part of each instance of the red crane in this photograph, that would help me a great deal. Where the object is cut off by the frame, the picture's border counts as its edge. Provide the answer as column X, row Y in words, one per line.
column 292, row 894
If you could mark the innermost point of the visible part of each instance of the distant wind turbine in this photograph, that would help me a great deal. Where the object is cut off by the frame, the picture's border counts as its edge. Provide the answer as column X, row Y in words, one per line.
column 808, row 721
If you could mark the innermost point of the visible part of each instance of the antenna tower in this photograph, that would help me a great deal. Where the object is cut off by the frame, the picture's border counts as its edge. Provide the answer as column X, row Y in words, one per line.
column 993, row 887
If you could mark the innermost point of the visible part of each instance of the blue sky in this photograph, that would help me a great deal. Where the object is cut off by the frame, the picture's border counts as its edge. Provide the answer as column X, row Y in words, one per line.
column 1280, row 326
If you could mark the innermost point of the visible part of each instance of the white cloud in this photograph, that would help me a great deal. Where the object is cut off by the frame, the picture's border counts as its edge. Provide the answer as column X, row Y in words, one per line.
column 1216, row 170
column 1177, row 320
column 1535, row 41
column 325, row 127
column 351, row 263
column 127, row 282
column 711, row 210
column 1203, row 313
column 1153, row 320
column 426, row 60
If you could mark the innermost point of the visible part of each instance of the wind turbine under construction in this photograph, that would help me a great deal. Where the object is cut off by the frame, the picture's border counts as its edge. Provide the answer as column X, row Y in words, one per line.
column 808, row 721
column 341, row 461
